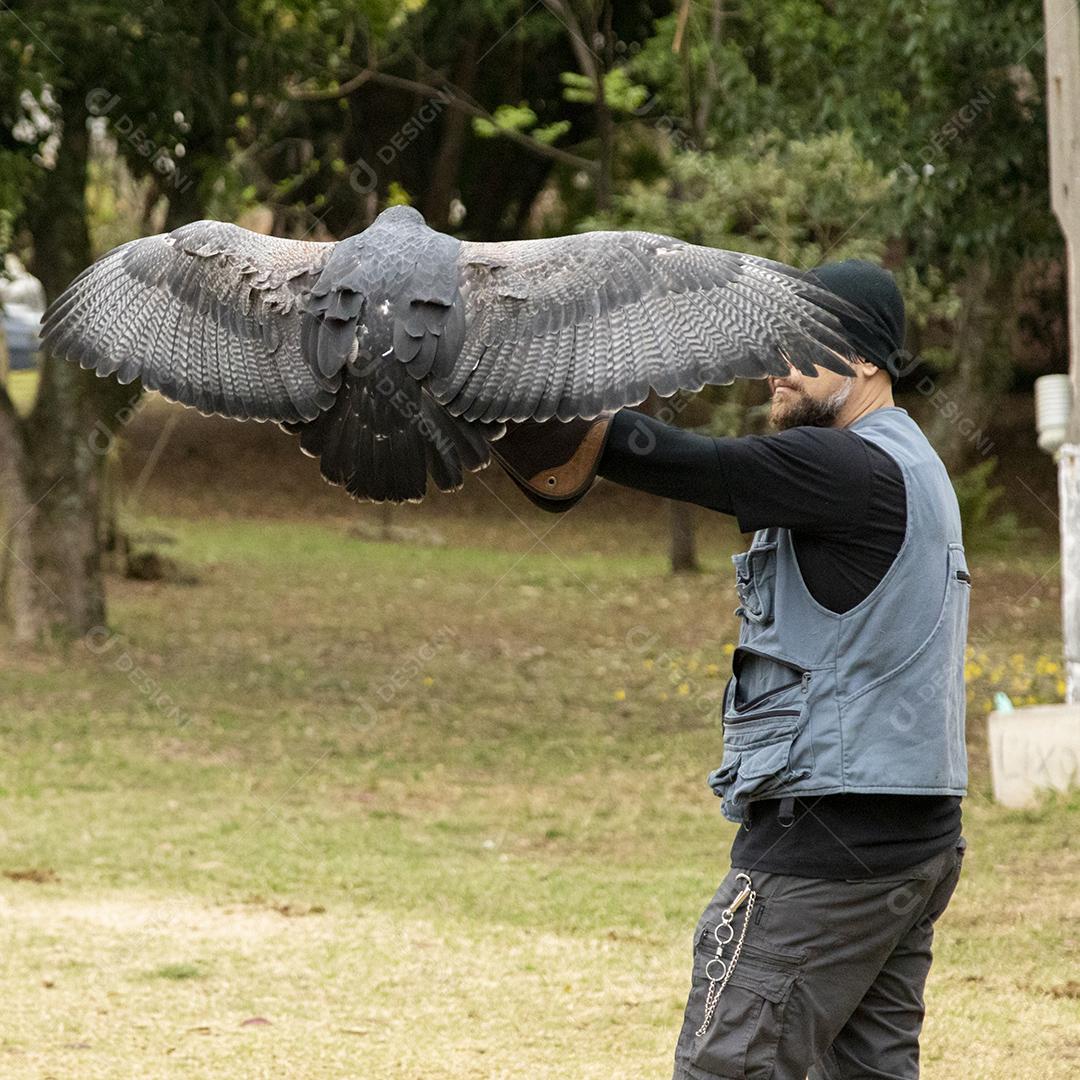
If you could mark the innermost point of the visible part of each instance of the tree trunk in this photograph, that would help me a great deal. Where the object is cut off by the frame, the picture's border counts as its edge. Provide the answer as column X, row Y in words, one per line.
column 605, row 123
column 961, row 405
column 683, row 536
column 455, row 130
column 15, row 604
column 51, row 503
column 386, row 521
column 683, row 543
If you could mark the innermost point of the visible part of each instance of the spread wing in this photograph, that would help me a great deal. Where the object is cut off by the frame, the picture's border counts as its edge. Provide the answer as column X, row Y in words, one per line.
column 579, row 325
column 207, row 315
column 456, row 338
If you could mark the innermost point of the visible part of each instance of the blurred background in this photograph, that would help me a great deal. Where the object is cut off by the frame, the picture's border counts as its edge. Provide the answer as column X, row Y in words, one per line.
column 287, row 779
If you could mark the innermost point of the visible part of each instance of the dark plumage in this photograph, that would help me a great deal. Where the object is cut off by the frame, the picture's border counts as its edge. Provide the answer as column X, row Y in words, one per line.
column 398, row 353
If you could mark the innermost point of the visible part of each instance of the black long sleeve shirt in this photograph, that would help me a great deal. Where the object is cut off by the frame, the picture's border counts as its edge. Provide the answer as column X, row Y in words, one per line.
column 844, row 501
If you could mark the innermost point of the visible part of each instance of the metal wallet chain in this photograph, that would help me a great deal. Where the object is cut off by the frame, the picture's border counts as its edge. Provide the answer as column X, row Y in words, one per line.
column 717, row 970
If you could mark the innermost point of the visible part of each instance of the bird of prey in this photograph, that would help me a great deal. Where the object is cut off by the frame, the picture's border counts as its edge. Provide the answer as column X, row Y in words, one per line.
column 397, row 354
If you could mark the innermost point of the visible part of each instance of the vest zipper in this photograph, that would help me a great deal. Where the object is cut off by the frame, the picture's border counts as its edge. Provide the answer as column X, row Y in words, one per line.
column 768, row 656
column 768, row 693
column 803, row 680
column 769, row 713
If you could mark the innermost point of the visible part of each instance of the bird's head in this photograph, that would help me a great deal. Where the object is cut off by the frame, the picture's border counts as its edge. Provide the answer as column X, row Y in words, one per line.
column 400, row 215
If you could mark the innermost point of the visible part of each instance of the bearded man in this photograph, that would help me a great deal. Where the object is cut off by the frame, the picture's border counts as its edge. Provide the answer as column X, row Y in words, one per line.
column 400, row 353
column 844, row 755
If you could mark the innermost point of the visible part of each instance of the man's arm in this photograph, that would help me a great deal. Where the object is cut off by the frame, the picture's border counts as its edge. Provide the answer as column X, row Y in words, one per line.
column 813, row 480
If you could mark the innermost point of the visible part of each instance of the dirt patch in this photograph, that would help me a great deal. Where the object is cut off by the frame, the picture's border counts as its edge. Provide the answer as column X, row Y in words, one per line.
column 38, row 875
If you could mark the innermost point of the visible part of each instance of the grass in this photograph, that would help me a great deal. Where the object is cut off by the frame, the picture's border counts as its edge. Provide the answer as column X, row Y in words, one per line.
column 22, row 385
column 351, row 809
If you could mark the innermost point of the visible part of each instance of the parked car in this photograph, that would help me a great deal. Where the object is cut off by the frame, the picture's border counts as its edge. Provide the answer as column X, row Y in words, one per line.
column 21, row 331
column 22, row 301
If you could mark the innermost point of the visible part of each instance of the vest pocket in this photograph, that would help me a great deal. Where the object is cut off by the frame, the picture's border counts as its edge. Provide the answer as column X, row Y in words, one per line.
column 755, row 581
column 759, row 743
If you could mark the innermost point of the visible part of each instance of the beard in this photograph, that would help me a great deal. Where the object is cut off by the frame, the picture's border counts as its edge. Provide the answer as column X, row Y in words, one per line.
column 802, row 410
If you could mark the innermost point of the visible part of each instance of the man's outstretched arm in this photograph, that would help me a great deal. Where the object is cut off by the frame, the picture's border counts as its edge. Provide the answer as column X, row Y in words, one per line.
column 814, row 480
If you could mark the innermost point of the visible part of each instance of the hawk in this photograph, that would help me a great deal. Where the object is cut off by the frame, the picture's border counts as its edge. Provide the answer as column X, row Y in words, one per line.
column 397, row 355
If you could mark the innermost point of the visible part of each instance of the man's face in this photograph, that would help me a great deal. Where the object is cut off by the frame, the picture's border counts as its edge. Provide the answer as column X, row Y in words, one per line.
column 799, row 400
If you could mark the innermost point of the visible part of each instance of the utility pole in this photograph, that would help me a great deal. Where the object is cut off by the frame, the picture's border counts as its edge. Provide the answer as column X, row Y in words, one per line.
column 1063, row 121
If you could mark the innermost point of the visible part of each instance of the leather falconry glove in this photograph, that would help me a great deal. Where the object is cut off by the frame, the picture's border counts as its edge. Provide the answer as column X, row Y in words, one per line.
column 554, row 463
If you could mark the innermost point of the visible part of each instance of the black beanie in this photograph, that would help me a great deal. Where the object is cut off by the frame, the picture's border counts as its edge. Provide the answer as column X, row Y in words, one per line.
column 871, row 289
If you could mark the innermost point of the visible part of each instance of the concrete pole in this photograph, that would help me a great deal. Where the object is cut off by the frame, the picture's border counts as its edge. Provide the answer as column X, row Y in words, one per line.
column 1063, row 116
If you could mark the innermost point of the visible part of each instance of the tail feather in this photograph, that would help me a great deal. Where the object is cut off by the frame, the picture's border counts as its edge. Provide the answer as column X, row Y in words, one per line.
column 384, row 435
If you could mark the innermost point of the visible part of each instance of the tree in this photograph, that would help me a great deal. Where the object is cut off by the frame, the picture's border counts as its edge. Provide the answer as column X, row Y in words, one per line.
column 946, row 99
column 187, row 87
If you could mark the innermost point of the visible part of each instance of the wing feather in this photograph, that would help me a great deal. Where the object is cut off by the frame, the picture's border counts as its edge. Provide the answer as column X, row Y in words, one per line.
column 646, row 312
column 208, row 315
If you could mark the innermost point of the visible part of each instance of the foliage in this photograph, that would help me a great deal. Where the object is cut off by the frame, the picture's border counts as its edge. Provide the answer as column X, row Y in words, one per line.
column 949, row 97
column 621, row 93
column 797, row 201
column 793, row 200
column 912, row 134
column 978, row 498
column 189, row 94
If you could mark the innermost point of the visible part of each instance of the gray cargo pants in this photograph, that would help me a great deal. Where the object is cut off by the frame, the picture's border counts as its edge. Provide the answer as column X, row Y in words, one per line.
column 829, row 982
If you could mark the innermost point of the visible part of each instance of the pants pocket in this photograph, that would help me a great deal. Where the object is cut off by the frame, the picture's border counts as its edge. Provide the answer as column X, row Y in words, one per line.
column 743, row 1034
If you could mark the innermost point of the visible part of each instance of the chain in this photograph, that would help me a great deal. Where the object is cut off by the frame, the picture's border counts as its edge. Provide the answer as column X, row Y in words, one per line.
column 727, row 916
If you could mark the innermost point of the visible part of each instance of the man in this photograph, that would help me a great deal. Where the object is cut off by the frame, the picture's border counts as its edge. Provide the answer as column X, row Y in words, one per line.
column 844, row 757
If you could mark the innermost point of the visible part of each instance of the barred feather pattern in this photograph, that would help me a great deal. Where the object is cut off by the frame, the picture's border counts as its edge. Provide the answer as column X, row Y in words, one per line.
column 385, row 435
column 645, row 312
column 397, row 354
column 206, row 315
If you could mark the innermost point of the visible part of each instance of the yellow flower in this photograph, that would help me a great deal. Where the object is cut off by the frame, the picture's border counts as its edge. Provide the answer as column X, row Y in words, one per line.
column 971, row 671
column 728, row 648
column 684, row 689
column 1061, row 688
column 620, row 695
column 712, row 669
column 428, row 680
column 1045, row 666
column 647, row 665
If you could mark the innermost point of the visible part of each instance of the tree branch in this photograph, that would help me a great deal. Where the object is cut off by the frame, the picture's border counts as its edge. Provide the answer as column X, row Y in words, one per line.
column 587, row 60
column 454, row 100
column 298, row 93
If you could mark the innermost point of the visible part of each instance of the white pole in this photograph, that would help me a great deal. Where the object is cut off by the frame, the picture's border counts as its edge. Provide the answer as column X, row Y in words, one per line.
column 1063, row 116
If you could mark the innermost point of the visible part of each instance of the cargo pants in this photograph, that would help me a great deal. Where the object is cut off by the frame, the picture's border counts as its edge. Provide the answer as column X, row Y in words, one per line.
column 829, row 981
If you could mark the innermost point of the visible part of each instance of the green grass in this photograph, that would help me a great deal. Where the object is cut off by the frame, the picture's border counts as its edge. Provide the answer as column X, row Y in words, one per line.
column 22, row 386
column 435, row 812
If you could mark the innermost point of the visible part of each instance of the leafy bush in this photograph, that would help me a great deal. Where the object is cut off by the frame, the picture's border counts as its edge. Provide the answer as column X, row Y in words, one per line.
column 978, row 498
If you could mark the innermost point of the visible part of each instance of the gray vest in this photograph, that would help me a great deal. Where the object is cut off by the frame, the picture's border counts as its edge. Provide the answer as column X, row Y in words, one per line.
column 871, row 700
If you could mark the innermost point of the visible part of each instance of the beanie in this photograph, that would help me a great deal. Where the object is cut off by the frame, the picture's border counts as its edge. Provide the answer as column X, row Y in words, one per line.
column 879, row 335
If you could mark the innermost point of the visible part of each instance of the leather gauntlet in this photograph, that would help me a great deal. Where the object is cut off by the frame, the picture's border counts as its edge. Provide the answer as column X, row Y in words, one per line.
column 554, row 463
